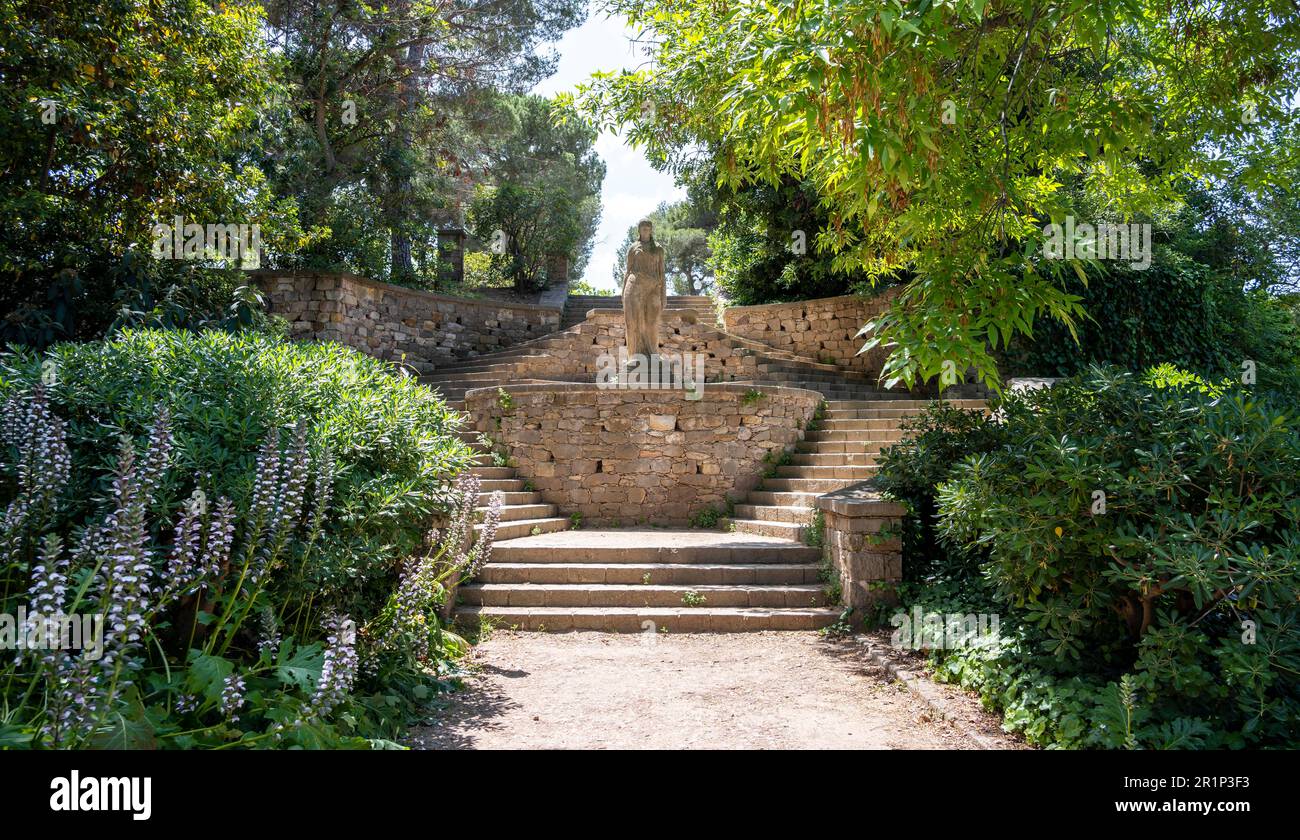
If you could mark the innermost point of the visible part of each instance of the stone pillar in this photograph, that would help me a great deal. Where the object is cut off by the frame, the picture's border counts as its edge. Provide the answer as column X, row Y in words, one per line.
column 557, row 269
column 451, row 251
column 862, row 538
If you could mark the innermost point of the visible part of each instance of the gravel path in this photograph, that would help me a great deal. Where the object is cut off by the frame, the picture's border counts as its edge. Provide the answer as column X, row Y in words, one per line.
column 766, row 690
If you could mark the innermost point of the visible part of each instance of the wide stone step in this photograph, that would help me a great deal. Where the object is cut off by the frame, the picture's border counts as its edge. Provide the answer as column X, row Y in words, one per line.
column 767, row 497
column 894, row 403
column 653, row 619
column 889, row 435
column 482, row 373
column 493, row 472
column 832, row 459
column 651, row 546
column 845, row 446
column 526, row 527
column 509, row 485
column 506, row 359
column 856, row 472
column 510, row 497
column 762, row 527
column 514, row 513
column 836, row 424
column 806, row 485
column 775, row 513
column 894, row 414
column 703, row 596
column 680, row 574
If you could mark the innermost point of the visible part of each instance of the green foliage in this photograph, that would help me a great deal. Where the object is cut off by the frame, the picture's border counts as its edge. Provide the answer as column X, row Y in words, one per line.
column 763, row 248
column 544, row 198
column 691, row 598
column 281, row 490
column 582, row 287
column 1184, row 579
column 938, row 136
column 910, row 471
column 707, row 518
column 389, row 117
column 814, row 533
column 114, row 118
column 393, row 440
column 1204, row 304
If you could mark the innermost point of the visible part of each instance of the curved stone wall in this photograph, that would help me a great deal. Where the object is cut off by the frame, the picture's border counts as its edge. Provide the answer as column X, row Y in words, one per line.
column 627, row 457
column 821, row 329
column 392, row 322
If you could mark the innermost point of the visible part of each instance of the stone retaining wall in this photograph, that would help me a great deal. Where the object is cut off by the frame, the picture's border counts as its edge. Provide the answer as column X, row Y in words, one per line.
column 392, row 322
column 821, row 329
column 628, row 457
column 578, row 359
column 869, row 562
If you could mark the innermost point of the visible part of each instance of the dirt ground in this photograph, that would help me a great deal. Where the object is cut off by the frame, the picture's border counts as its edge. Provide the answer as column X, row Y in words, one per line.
column 766, row 690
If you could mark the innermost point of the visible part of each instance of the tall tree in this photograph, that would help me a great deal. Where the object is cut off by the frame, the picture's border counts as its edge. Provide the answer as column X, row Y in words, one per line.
column 938, row 135
column 392, row 104
column 115, row 117
column 541, row 198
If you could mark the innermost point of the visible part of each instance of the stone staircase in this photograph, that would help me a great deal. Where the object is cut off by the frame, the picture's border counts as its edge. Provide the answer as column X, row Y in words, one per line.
column 576, row 307
column 649, row 580
column 841, row 452
column 755, row 573
column 522, row 511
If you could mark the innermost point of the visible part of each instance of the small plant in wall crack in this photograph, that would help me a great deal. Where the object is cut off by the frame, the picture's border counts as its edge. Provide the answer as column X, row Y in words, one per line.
column 830, row 577
column 814, row 534
column 751, row 396
column 575, row 520
column 708, row 518
column 815, row 422
column 775, row 459
column 505, row 401
column 691, row 598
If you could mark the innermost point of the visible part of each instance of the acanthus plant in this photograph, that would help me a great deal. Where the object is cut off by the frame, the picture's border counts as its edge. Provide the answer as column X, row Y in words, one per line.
column 407, row 629
column 191, row 650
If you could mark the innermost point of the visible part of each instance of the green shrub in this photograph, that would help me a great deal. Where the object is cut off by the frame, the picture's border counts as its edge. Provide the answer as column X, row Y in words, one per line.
column 305, row 475
column 1144, row 541
column 393, row 440
column 910, row 471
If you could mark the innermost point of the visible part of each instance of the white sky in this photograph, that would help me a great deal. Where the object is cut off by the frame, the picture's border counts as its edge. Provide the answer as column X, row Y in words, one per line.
column 632, row 189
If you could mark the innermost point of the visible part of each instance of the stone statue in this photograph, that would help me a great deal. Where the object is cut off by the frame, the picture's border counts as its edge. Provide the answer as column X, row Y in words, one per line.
column 644, row 293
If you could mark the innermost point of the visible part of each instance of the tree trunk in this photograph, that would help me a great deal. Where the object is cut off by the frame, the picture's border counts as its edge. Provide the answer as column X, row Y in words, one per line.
column 399, row 240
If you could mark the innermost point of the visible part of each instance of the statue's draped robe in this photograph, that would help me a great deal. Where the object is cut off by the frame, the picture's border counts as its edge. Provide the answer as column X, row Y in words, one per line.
column 644, row 297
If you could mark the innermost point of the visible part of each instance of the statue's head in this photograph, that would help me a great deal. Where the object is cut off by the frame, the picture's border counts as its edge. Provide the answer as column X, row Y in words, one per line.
column 645, row 230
